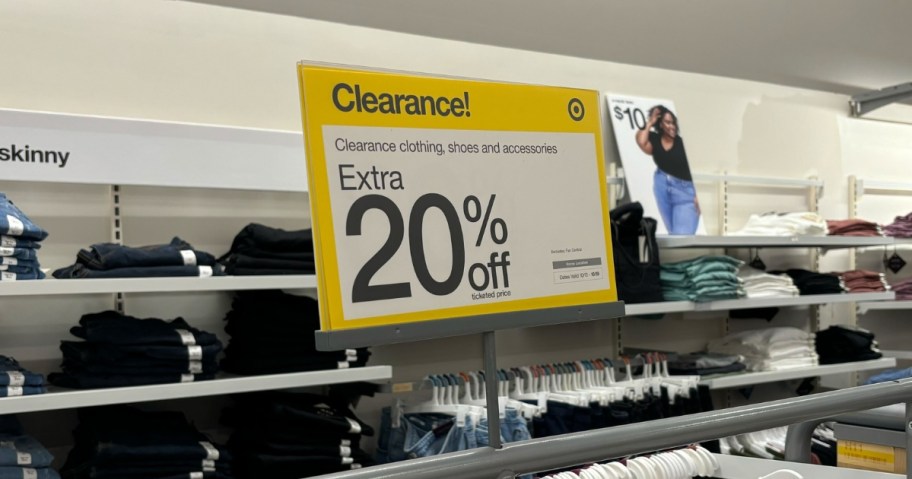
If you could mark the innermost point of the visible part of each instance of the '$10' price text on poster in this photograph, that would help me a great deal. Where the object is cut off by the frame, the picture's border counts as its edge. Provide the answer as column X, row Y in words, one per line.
column 436, row 198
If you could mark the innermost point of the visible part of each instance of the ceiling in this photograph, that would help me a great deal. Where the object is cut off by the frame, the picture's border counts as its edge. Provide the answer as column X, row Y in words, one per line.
column 843, row 46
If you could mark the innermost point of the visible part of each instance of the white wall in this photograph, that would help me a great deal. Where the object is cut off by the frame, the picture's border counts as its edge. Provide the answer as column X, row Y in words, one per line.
column 185, row 62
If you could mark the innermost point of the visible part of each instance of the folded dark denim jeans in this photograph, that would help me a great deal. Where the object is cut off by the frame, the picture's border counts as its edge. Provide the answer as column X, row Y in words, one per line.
column 12, row 374
column 256, row 236
column 11, row 391
column 108, row 256
column 136, row 368
column 24, row 254
column 81, row 380
column 13, row 222
column 156, row 469
column 14, row 242
column 8, row 261
column 34, row 275
column 23, row 451
column 29, row 267
column 87, row 352
column 80, row 271
column 19, row 473
column 111, row 327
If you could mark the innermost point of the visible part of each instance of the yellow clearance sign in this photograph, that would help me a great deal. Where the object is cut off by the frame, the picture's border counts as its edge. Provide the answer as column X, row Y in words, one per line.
column 437, row 198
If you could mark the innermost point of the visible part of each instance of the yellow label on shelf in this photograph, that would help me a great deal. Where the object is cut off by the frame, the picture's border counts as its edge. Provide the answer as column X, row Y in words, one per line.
column 438, row 198
column 867, row 456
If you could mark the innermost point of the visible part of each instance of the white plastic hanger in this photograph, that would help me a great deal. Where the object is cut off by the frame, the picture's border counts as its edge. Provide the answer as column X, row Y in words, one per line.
column 783, row 474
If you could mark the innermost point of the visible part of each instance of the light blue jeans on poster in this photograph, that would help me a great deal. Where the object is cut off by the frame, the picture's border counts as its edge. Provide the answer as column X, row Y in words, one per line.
column 676, row 199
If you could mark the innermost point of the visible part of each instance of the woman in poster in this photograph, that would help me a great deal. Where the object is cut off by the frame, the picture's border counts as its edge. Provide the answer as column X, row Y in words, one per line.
column 672, row 184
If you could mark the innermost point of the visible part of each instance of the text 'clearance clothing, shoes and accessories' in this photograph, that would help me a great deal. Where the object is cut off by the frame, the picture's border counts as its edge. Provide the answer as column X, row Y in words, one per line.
column 262, row 250
column 108, row 260
column 121, row 350
column 273, row 332
column 707, row 278
column 121, row 442
column 845, row 344
column 19, row 243
column 286, row 435
column 18, row 381
column 853, row 227
column 22, row 456
column 771, row 349
column 804, row 223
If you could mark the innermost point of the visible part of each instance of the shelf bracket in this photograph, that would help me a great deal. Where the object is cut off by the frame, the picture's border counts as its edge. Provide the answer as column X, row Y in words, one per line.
column 116, row 236
column 864, row 103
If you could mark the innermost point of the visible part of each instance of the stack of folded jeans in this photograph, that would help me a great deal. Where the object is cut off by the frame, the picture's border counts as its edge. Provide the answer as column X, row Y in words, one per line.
column 20, row 240
column 18, row 381
column 810, row 282
column 109, row 260
column 903, row 289
column 273, row 332
column 123, row 442
column 853, row 227
column 22, row 456
column 261, row 250
column 758, row 284
column 845, row 344
column 784, row 224
column 122, row 350
column 901, row 227
column 285, row 435
column 772, row 349
column 707, row 278
column 862, row 281
column 704, row 364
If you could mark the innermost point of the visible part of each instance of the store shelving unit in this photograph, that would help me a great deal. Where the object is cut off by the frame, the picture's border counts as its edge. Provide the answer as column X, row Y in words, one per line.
column 51, row 287
column 57, row 399
column 729, row 381
column 865, row 307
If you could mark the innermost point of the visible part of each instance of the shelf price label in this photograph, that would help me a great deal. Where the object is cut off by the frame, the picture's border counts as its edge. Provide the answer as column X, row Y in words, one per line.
column 438, row 198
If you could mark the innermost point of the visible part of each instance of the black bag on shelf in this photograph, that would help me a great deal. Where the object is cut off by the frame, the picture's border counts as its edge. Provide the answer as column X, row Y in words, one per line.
column 636, row 255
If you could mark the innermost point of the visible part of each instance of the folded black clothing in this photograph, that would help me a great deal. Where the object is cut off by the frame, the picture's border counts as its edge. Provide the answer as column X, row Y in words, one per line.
column 107, row 256
column 240, row 262
column 81, row 380
column 297, row 410
column 139, row 368
column 810, row 282
column 275, row 305
column 841, row 344
column 260, row 237
column 267, row 271
column 111, row 327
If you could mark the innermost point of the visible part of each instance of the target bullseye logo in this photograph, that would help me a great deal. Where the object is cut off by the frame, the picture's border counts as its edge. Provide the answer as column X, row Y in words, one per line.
column 576, row 109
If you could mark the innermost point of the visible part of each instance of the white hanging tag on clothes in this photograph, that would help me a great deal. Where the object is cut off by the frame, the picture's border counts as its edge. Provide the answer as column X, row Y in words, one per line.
column 195, row 367
column 6, row 251
column 355, row 427
column 187, row 378
column 14, row 391
column 187, row 338
column 7, row 241
column 212, row 453
column 16, row 378
column 345, row 451
column 9, row 261
column 8, row 276
column 502, row 406
column 23, row 458
column 189, row 257
column 644, row 250
column 197, row 475
column 205, row 271
column 16, row 227
column 195, row 353
column 29, row 473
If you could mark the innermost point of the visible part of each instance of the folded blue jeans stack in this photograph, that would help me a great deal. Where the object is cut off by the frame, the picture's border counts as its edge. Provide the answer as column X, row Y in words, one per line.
column 18, row 381
column 109, row 260
column 22, row 456
column 122, row 442
column 121, row 350
column 20, row 240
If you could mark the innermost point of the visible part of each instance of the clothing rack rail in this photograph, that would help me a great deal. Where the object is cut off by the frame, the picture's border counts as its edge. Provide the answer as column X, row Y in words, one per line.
column 609, row 443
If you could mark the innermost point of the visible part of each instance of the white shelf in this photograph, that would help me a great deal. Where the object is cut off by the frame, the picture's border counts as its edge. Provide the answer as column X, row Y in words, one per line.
column 896, row 354
column 155, row 285
column 807, row 300
column 750, row 379
column 69, row 399
column 645, row 309
column 770, row 241
column 864, row 307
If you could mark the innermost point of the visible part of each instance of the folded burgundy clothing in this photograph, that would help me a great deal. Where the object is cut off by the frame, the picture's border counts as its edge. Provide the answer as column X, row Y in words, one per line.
column 853, row 227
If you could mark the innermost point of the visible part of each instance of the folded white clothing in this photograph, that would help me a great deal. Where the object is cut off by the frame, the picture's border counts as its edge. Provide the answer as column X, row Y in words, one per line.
column 782, row 292
column 762, row 339
column 784, row 224
column 790, row 363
